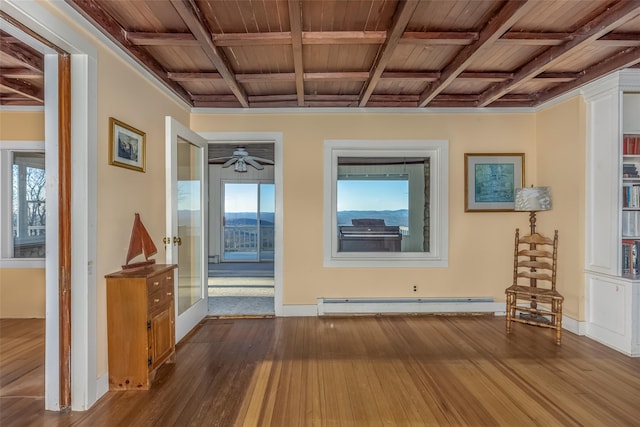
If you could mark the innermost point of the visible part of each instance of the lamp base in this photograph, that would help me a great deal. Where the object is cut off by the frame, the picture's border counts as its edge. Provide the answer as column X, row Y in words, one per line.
column 533, row 317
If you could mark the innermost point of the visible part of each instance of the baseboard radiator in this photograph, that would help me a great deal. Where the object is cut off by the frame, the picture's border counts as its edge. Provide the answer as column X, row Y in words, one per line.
column 338, row 306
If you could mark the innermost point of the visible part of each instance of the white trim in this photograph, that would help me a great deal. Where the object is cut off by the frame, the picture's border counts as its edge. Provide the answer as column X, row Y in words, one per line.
column 102, row 384
column 299, row 310
column 21, row 109
column 335, row 306
column 278, row 179
column 83, row 232
column 83, row 146
column 41, row 21
column 438, row 151
column 52, row 328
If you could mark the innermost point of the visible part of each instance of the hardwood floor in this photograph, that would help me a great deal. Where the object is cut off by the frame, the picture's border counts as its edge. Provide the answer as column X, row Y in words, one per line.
column 368, row 371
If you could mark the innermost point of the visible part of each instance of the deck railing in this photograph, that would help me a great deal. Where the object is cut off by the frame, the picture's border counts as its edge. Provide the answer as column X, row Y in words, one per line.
column 245, row 238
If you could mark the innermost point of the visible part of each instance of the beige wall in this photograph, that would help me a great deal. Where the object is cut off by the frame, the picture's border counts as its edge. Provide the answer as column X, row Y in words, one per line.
column 22, row 293
column 480, row 244
column 561, row 164
column 127, row 96
column 22, row 125
column 22, row 290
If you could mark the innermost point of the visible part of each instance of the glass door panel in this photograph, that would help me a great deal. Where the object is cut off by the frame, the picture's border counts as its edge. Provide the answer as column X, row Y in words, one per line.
column 186, row 222
column 190, row 222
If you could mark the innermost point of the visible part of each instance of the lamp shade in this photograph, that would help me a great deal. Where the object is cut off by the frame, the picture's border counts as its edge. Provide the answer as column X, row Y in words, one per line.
column 533, row 199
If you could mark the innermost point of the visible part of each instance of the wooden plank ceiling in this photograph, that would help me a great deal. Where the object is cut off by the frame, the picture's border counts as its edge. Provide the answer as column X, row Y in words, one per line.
column 372, row 53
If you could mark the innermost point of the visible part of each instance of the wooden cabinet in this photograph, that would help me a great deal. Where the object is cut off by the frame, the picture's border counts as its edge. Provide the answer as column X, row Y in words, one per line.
column 140, row 324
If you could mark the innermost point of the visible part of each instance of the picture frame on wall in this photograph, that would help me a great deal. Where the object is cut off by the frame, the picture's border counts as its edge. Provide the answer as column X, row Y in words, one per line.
column 127, row 146
column 490, row 181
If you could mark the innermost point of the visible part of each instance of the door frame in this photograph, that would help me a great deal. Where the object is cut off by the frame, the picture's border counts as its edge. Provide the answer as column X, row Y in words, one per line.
column 276, row 138
column 84, row 385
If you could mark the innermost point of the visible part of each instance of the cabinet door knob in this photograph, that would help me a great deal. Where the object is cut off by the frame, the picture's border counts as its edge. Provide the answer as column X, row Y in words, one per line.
column 169, row 293
column 177, row 240
column 156, row 283
column 156, row 300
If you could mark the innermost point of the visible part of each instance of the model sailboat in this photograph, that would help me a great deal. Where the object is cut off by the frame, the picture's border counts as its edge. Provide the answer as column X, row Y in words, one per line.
column 140, row 243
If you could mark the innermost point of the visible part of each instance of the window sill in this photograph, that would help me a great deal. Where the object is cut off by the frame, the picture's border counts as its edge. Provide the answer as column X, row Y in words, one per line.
column 22, row 263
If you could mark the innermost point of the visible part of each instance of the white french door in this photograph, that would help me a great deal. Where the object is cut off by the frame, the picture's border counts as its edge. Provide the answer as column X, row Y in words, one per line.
column 187, row 218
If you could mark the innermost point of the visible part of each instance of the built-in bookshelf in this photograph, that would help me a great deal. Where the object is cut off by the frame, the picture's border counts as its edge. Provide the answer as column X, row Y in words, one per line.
column 630, row 242
column 612, row 211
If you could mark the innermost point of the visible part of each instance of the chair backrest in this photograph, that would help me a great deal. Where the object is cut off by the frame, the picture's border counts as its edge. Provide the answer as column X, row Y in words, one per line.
column 535, row 260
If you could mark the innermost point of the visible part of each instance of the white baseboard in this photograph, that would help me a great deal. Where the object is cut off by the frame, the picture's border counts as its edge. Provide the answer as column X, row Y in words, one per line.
column 102, row 385
column 292, row 310
column 346, row 306
column 337, row 306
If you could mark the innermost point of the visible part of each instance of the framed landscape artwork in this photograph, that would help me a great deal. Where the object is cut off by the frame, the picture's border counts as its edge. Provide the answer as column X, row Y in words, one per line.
column 127, row 146
column 491, row 180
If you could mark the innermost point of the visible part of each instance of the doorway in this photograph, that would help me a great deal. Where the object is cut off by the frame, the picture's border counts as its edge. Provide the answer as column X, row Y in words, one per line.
column 242, row 233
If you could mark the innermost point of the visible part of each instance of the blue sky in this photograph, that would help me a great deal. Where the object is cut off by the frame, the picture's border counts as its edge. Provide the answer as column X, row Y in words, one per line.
column 372, row 195
column 353, row 195
column 244, row 197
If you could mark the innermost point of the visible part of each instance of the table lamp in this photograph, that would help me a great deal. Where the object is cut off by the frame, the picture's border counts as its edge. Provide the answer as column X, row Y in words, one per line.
column 532, row 200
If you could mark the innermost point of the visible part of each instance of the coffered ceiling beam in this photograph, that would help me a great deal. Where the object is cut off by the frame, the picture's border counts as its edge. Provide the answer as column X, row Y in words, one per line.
column 627, row 58
column 190, row 14
column 93, row 11
column 602, row 24
column 295, row 23
column 510, row 13
column 396, row 29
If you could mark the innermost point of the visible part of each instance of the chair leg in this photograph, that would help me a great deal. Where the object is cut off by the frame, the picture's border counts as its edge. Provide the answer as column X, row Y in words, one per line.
column 558, row 310
column 509, row 311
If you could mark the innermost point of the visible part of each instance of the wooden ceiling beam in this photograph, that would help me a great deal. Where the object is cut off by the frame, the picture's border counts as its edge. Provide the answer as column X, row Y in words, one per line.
column 449, row 38
column 24, row 54
column 161, row 39
column 295, row 24
column 343, row 37
column 508, row 15
column 432, row 38
column 22, row 89
column 358, row 76
column 533, row 39
column 193, row 77
column 629, row 57
column 409, row 75
column 400, row 21
column 190, row 14
column 21, row 73
column 93, row 11
column 602, row 24
column 487, row 76
column 619, row 39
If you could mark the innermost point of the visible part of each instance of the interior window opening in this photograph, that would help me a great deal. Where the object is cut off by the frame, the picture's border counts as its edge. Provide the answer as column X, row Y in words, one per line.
column 28, row 205
column 386, row 203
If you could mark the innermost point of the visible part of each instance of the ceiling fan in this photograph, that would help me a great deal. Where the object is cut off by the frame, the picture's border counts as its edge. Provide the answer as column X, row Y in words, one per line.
column 241, row 158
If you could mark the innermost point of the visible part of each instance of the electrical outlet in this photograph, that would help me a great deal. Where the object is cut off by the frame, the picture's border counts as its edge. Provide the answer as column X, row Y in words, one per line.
column 415, row 288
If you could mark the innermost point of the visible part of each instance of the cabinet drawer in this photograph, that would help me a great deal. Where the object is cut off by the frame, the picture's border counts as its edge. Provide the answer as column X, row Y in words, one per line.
column 159, row 299
column 160, row 282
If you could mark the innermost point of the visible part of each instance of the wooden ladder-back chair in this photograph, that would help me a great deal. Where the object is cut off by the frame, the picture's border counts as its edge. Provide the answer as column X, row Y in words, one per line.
column 532, row 298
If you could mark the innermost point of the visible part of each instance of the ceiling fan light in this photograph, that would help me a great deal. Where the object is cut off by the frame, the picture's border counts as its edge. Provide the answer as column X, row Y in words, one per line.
column 240, row 166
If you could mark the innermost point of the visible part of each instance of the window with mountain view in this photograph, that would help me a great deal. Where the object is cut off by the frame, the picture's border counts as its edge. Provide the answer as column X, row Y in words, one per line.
column 386, row 203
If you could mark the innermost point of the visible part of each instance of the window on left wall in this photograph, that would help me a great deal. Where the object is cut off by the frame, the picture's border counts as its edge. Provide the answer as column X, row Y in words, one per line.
column 24, row 203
